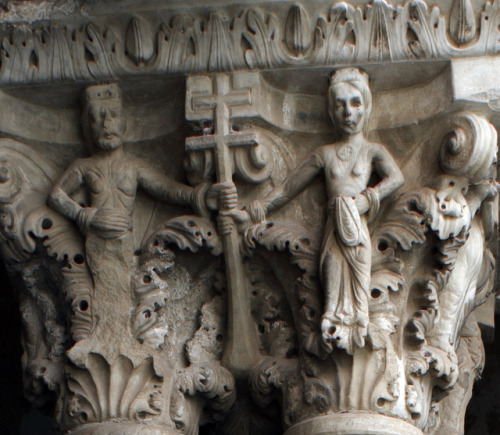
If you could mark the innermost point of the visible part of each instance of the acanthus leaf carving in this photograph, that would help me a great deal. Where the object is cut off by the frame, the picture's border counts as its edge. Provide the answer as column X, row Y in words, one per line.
column 251, row 38
column 297, row 32
column 334, row 37
column 462, row 22
column 285, row 236
column 139, row 43
column 190, row 233
column 304, row 251
column 101, row 391
column 211, row 380
column 262, row 35
column 187, row 232
column 64, row 243
column 42, row 246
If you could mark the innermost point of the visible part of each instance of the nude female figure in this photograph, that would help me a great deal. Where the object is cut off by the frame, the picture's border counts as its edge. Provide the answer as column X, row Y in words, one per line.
column 347, row 165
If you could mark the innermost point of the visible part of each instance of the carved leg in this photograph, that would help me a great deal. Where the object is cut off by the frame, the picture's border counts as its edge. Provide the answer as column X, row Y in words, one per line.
column 346, row 280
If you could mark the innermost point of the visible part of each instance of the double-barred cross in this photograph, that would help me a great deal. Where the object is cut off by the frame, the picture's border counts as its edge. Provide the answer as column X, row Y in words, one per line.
column 220, row 102
column 241, row 349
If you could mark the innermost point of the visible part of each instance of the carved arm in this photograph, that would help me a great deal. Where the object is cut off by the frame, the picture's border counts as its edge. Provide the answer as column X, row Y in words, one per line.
column 295, row 182
column 112, row 222
column 166, row 189
column 60, row 200
column 388, row 170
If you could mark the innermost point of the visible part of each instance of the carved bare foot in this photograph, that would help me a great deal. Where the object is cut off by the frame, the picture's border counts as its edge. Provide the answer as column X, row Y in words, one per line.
column 348, row 337
column 329, row 331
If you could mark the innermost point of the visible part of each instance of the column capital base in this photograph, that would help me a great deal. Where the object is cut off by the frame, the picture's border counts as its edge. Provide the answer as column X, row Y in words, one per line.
column 354, row 423
column 121, row 428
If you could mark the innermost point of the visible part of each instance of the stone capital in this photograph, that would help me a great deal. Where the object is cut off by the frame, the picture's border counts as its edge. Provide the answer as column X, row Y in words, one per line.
column 269, row 218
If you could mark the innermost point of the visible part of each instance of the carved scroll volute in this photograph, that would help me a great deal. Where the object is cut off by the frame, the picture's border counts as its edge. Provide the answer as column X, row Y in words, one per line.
column 468, row 147
column 465, row 268
column 22, row 176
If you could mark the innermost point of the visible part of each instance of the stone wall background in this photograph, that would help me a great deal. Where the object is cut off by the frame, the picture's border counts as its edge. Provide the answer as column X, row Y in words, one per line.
column 483, row 413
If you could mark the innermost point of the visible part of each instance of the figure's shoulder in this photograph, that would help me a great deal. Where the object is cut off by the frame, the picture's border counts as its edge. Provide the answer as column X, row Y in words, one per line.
column 139, row 164
column 376, row 148
column 80, row 164
column 328, row 148
column 325, row 151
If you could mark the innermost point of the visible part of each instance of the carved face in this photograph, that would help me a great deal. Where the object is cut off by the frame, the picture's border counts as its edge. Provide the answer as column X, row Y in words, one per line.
column 347, row 108
column 106, row 123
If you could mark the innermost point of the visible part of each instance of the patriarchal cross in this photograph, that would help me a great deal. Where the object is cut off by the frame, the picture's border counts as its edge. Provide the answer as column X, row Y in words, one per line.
column 241, row 349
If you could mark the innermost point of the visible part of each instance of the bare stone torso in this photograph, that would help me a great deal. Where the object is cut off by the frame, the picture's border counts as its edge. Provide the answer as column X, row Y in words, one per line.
column 112, row 183
column 346, row 169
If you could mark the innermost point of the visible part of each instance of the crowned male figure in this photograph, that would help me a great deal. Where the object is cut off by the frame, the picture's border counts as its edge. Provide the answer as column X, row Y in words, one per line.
column 111, row 177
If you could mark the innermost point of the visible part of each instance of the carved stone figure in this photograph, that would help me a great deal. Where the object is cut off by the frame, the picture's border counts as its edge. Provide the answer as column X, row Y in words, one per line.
column 110, row 178
column 111, row 175
column 126, row 342
column 347, row 165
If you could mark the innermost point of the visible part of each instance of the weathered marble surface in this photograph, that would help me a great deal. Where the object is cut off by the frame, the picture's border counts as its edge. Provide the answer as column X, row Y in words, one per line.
column 269, row 218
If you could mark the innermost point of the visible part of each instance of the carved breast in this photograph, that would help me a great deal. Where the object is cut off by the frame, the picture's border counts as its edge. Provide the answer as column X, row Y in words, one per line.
column 126, row 183
column 95, row 182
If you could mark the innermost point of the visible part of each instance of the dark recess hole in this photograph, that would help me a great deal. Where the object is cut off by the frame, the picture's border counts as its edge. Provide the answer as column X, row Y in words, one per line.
column 412, row 206
column 382, row 245
column 79, row 259
column 46, row 224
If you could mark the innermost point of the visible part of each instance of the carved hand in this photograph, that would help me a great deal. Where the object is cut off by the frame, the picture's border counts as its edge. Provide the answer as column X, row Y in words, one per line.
column 228, row 202
column 112, row 222
column 222, row 196
column 362, row 203
column 240, row 216
column 228, row 196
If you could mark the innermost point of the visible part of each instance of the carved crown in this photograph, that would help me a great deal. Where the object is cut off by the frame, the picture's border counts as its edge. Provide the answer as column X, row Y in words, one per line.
column 349, row 75
column 109, row 91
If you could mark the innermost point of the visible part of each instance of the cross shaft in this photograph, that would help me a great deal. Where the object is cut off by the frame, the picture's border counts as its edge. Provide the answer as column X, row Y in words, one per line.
column 241, row 350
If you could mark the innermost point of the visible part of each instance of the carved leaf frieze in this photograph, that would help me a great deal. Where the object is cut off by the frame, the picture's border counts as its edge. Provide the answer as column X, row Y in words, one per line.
column 253, row 38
